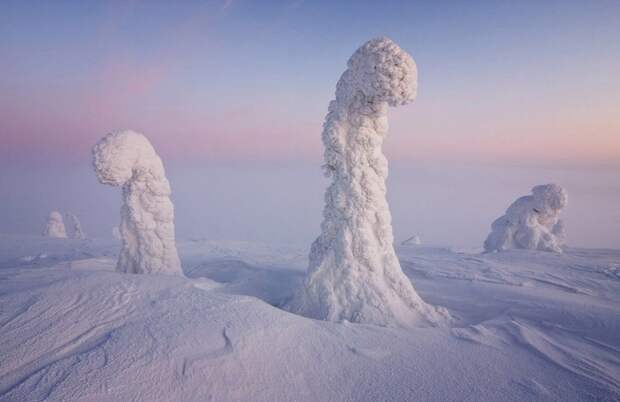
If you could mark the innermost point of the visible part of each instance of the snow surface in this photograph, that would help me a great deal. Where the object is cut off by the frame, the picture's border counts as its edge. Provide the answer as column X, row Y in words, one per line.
column 55, row 226
column 531, row 222
column 127, row 159
column 528, row 325
column 353, row 273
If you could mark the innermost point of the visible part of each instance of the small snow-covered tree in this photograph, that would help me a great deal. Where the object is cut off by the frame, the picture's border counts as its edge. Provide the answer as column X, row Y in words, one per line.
column 127, row 159
column 116, row 233
column 78, row 233
column 531, row 222
column 354, row 273
column 55, row 226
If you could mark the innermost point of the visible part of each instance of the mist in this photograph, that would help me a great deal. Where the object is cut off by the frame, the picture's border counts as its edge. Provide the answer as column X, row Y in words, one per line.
column 446, row 204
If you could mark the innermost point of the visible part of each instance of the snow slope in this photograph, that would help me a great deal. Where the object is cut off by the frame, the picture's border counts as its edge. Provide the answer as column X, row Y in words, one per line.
column 529, row 326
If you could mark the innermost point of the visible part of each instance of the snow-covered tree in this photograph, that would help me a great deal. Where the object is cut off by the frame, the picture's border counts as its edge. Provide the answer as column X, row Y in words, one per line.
column 55, row 226
column 78, row 233
column 531, row 222
column 354, row 273
column 127, row 159
column 116, row 233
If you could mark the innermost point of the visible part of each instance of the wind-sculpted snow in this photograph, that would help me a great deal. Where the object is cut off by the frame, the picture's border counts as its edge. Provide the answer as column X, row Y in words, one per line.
column 353, row 272
column 78, row 233
column 528, row 326
column 127, row 159
column 531, row 222
column 55, row 226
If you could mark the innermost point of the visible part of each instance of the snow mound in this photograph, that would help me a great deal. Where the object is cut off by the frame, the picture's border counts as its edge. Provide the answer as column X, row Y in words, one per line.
column 127, row 159
column 354, row 274
column 531, row 222
column 55, row 226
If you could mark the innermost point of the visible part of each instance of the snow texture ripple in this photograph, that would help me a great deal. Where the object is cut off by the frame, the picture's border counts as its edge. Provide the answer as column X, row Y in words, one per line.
column 354, row 274
column 127, row 159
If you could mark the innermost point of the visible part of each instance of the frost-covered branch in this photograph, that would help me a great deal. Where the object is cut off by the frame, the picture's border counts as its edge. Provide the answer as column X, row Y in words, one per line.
column 127, row 159
column 354, row 273
column 531, row 222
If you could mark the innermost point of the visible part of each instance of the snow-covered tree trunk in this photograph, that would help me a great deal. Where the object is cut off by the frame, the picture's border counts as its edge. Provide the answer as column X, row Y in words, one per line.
column 531, row 222
column 127, row 159
column 55, row 226
column 78, row 233
column 354, row 273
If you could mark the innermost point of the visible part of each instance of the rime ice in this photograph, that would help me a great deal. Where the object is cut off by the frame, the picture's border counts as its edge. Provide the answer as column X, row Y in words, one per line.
column 353, row 273
column 127, row 159
column 55, row 227
column 531, row 222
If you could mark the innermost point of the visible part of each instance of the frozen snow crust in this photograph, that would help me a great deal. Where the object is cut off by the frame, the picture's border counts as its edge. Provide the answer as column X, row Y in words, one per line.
column 354, row 274
column 531, row 222
column 127, row 159
column 55, row 226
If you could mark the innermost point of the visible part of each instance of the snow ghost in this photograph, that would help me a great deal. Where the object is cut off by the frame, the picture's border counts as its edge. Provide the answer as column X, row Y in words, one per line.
column 78, row 233
column 127, row 159
column 55, row 226
column 412, row 241
column 353, row 272
column 531, row 222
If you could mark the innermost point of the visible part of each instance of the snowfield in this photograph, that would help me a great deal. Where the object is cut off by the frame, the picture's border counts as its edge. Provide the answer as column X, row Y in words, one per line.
column 528, row 325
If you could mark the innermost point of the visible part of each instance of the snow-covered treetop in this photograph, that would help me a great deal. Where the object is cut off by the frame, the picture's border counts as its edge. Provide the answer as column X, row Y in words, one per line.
column 382, row 71
column 121, row 154
column 549, row 197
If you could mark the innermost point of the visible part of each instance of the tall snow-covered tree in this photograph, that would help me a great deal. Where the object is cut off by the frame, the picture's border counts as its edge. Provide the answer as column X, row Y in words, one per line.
column 127, row 159
column 354, row 273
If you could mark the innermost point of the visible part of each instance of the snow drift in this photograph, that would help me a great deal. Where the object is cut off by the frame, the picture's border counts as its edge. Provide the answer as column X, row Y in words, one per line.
column 55, row 226
column 353, row 272
column 127, row 159
column 78, row 233
column 531, row 222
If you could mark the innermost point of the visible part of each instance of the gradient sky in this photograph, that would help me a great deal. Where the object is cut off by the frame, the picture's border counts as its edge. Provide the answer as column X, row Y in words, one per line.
column 499, row 81
column 233, row 95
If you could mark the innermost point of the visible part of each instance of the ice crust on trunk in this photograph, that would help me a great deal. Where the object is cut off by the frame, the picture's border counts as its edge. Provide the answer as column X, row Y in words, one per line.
column 78, row 233
column 353, row 273
column 127, row 159
column 55, row 226
column 531, row 222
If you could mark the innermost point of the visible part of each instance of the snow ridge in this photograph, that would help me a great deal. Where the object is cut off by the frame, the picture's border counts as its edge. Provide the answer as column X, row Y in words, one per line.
column 127, row 159
column 354, row 274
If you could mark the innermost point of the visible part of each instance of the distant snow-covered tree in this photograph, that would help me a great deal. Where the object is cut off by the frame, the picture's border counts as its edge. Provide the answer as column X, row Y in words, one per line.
column 55, row 226
column 78, row 233
column 531, row 222
column 354, row 273
column 127, row 159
